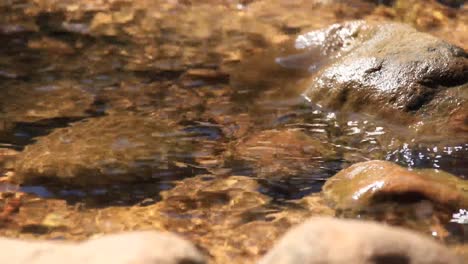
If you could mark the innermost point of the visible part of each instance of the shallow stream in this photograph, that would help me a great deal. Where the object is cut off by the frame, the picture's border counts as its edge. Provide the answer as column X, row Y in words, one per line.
column 239, row 149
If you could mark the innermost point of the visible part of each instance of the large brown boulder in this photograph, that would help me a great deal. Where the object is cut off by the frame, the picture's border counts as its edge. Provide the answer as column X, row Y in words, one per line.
column 380, row 68
column 390, row 65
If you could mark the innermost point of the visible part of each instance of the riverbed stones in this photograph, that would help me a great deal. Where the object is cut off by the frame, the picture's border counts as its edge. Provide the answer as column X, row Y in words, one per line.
column 228, row 216
column 209, row 197
column 328, row 240
column 283, row 152
column 22, row 102
column 145, row 247
column 367, row 183
column 381, row 68
column 108, row 149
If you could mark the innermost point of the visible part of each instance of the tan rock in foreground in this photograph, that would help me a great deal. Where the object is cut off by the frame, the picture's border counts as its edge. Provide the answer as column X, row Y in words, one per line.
column 128, row 248
column 333, row 241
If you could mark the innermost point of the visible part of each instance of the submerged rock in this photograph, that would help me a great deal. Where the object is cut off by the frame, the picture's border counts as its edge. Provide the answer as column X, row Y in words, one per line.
column 382, row 68
column 228, row 216
column 284, row 152
column 371, row 182
column 328, row 240
column 125, row 248
column 109, row 149
column 62, row 99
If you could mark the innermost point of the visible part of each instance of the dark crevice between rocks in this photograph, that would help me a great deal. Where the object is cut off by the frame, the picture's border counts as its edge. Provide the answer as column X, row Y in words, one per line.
column 446, row 81
column 35, row 229
column 201, row 129
column 142, row 192
column 291, row 188
column 382, row 2
column 153, row 75
column 400, row 198
column 427, row 89
column 20, row 134
column 290, row 30
column 23, row 133
column 390, row 259
column 56, row 25
column 188, row 261
column 419, row 98
column 238, row 167
column 343, row 97
column 452, row 3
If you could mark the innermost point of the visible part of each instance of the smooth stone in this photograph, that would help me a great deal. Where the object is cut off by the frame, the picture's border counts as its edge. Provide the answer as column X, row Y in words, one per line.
column 380, row 68
column 367, row 183
column 143, row 247
column 329, row 240
column 106, row 150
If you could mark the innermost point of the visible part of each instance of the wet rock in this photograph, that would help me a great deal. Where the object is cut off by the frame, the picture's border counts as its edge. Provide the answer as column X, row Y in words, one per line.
column 367, row 183
column 61, row 99
column 110, row 149
column 137, row 247
column 383, row 68
column 328, row 240
column 447, row 113
column 283, row 152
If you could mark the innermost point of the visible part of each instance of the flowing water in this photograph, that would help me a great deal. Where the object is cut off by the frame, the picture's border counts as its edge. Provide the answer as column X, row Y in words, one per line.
column 247, row 146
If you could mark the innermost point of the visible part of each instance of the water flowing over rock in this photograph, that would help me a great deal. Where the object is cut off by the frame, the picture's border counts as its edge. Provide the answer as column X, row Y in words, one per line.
column 328, row 240
column 24, row 102
column 186, row 116
column 110, row 149
column 381, row 68
column 126, row 248
column 371, row 182
column 283, row 152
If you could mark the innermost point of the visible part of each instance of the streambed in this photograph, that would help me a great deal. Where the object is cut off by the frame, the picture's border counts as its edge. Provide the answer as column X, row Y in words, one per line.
column 191, row 117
